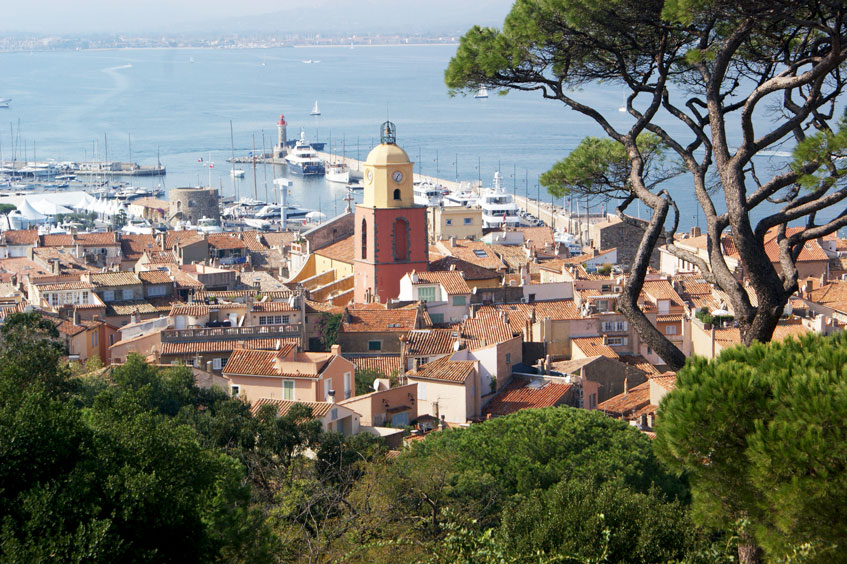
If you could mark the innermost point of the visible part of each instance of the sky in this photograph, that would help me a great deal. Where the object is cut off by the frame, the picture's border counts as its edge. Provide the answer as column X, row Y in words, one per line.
column 71, row 17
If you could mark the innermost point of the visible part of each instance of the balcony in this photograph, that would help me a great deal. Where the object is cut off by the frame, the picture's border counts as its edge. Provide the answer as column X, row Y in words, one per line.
column 234, row 333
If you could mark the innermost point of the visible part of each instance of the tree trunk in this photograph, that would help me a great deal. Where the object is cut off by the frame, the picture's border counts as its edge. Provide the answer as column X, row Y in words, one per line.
column 748, row 551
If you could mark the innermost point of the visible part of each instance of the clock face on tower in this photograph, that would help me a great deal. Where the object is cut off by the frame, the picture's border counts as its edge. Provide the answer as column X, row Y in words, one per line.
column 397, row 176
column 370, row 176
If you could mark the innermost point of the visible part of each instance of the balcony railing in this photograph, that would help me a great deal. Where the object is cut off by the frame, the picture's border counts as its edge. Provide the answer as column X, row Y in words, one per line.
column 224, row 333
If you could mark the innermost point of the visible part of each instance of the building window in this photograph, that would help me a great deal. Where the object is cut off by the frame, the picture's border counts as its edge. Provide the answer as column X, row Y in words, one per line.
column 508, row 358
column 235, row 390
column 449, row 222
column 397, row 194
column 616, row 326
column 109, row 295
column 670, row 330
column 263, row 320
column 216, row 364
column 436, row 317
column 364, row 239
column 327, row 389
column 288, row 390
column 334, row 413
column 592, row 401
column 94, row 339
column 401, row 239
column 127, row 294
column 468, row 221
column 400, row 419
column 422, row 391
column 459, row 300
column 348, row 389
column 284, row 320
column 374, row 345
column 156, row 291
column 426, row 293
column 616, row 341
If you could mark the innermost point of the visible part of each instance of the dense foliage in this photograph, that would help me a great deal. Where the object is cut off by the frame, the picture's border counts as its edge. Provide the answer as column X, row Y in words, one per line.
column 761, row 433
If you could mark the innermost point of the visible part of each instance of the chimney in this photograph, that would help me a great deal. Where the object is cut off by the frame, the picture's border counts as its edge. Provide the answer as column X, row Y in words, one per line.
column 331, row 395
column 452, row 241
column 335, row 349
column 625, row 385
column 133, row 318
column 76, row 316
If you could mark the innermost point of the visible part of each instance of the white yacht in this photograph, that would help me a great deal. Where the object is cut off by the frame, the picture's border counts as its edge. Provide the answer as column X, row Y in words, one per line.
column 498, row 207
column 465, row 198
column 209, row 225
column 338, row 172
column 303, row 159
column 428, row 194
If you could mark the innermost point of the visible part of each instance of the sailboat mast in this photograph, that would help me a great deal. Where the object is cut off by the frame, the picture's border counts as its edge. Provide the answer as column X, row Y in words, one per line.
column 232, row 159
column 255, row 188
column 265, row 167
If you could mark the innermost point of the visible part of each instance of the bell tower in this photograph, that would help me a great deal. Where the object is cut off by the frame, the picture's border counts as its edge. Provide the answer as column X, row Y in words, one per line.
column 390, row 230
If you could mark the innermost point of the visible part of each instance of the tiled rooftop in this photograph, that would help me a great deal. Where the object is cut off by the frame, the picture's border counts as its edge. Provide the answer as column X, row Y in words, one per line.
column 451, row 280
column 593, row 346
column 525, row 393
column 625, row 404
column 319, row 409
column 378, row 320
column 444, row 370
column 430, row 342
column 113, row 279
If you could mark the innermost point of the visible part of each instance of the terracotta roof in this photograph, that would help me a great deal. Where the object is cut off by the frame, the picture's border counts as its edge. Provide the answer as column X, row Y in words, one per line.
column 128, row 307
column 226, row 346
column 472, row 271
column 625, row 404
column 810, row 251
column 669, row 318
column 364, row 319
column 112, row 279
column 57, row 287
column 107, row 239
column 593, row 346
column 475, row 252
column 272, row 307
column 516, row 315
column 21, row 236
column 173, row 237
column 279, row 238
column 319, row 408
column 155, row 277
column 430, row 342
column 253, row 240
column 194, row 310
column 157, row 256
column 481, row 332
column 666, row 380
column 833, row 295
column 444, row 370
column 540, row 236
column 22, row 266
column 451, row 280
column 183, row 280
column 58, row 240
column 661, row 290
column 322, row 307
column 133, row 246
column 640, row 363
column 341, row 250
column 384, row 364
column 525, row 393
column 226, row 241
column 262, row 363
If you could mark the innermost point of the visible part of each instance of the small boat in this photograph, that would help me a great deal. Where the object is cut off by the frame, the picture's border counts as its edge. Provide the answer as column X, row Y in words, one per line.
column 4, row 102
column 307, row 61
column 209, row 225
column 315, row 110
column 338, row 172
column 256, row 223
column 237, row 172
column 481, row 93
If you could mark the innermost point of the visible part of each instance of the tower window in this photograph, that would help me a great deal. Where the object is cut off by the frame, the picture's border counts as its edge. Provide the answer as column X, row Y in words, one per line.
column 401, row 239
column 364, row 239
column 396, row 193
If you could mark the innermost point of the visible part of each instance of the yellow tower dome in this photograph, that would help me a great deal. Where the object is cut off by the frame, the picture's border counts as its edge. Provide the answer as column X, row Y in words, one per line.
column 388, row 174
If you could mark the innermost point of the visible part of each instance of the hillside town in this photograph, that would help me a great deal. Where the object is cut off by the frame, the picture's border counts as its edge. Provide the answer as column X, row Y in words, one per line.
column 391, row 320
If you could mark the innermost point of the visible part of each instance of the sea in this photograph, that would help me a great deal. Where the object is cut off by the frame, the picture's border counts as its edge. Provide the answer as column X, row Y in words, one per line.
column 175, row 106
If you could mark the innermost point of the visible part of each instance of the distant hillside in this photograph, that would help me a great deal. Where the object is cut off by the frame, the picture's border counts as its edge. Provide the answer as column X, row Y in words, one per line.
column 363, row 16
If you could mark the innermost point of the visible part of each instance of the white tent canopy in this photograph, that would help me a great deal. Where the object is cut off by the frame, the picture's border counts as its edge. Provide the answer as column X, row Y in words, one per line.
column 49, row 208
column 29, row 213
